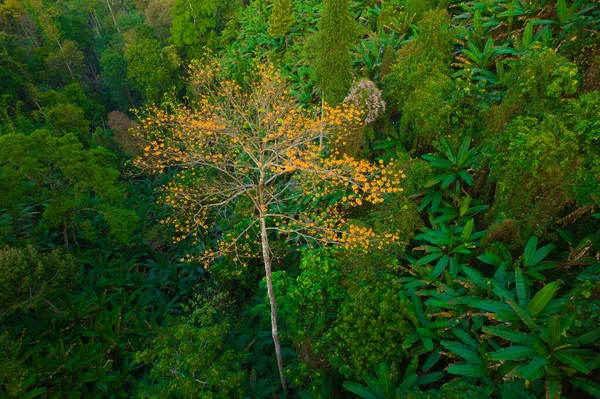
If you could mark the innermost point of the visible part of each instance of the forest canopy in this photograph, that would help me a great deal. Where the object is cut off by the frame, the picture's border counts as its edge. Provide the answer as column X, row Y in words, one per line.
column 300, row 199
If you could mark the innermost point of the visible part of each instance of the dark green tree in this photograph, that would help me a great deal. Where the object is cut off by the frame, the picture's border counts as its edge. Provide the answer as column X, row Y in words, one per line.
column 27, row 277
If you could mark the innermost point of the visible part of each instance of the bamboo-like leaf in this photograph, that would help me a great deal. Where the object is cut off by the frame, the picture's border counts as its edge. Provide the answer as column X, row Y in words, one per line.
column 429, row 378
column 383, row 376
column 542, row 298
column 522, row 289
column 468, row 229
column 360, row 390
column 468, row 370
column 554, row 332
column 571, row 359
column 408, row 382
column 517, row 352
column 412, row 367
column 535, row 368
column 541, row 253
column 431, row 361
column 553, row 387
column 523, row 315
column 590, row 337
column 509, row 335
column 588, row 386
column 529, row 251
column 462, row 351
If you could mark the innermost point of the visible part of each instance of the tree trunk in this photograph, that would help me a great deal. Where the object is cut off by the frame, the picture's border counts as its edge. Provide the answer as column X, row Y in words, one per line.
column 113, row 16
column 65, row 236
column 267, row 261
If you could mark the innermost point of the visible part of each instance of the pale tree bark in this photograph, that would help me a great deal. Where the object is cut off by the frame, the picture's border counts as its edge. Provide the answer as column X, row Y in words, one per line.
column 267, row 261
column 113, row 16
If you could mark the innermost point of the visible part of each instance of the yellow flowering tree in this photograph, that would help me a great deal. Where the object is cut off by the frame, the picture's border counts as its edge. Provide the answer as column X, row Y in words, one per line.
column 259, row 147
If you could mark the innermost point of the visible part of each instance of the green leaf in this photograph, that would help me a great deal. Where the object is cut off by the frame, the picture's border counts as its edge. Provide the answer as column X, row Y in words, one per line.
column 542, row 298
column 468, row 370
column 383, row 375
column 429, row 378
column 590, row 337
column 428, row 258
column 408, row 382
column 33, row 393
column 554, row 332
column 553, row 385
column 522, row 289
column 360, row 390
column 523, row 315
column 541, row 253
column 509, row 335
column 464, row 205
column 534, row 369
column 517, row 352
column 588, row 386
column 529, row 251
column 569, row 358
column 475, row 276
column 468, row 229
column 440, row 266
column 462, row 351
column 431, row 361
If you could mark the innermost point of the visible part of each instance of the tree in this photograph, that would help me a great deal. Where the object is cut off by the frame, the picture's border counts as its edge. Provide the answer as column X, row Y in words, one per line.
column 329, row 50
column 71, row 186
column 196, row 23
column 28, row 278
column 151, row 68
column 281, row 18
column 258, row 152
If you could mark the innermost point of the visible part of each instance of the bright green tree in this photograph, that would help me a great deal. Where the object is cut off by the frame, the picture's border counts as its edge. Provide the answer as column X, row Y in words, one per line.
column 281, row 18
column 196, row 23
column 69, row 185
column 151, row 68
column 329, row 50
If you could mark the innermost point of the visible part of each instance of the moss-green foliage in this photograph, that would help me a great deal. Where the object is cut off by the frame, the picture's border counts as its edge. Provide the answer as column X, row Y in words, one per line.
column 518, row 79
column 419, row 85
column 151, row 69
column 191, row 358
column 337, row 314
column 281, row 18
column 27, row 277
column 368, row 317
column 542, row 164
column 329, row 50
column 536, row 82
column 196, row 23
column 69, row 184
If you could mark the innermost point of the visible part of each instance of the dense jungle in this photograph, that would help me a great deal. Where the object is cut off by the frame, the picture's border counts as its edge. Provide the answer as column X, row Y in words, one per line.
column 378, row 199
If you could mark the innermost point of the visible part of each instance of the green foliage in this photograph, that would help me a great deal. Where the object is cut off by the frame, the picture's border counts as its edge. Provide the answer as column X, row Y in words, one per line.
column 335, row 315
column 196, row 23
column 28, row 278
column 151, row 69
column 281, row 18
column 190, row 357
column 420, row 84
column 542, row 164
column 537, row 80
column 114, row 80
column 70, row 185
column 329, row 50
